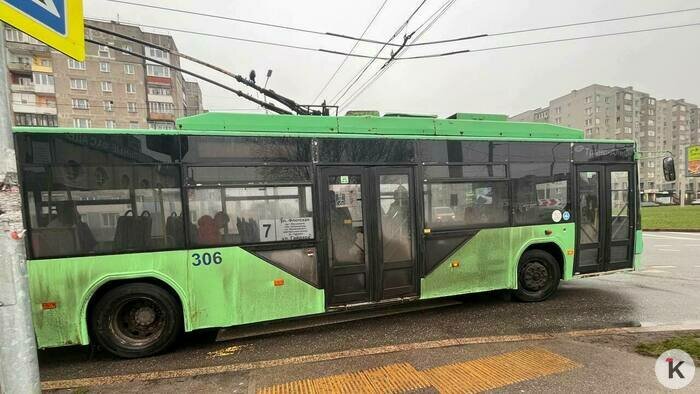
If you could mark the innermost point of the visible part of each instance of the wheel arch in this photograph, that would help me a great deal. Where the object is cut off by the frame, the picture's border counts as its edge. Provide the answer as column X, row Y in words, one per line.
column 550, row 246
column 107, row 283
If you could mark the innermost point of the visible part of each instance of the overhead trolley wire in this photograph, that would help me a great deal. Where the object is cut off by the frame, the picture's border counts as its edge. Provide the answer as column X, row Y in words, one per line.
column 430, row 21
column 267, row 92
column 343, row 91
column 263, row 104
column 345, row 59
column 379, row 42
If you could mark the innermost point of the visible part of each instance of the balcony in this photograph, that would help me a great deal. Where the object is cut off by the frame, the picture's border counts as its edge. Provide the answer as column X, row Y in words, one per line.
column 27, row 48
column 22, row 87
column 161, row 116
column 16, row 67
column 45, row 89
column 33, row 108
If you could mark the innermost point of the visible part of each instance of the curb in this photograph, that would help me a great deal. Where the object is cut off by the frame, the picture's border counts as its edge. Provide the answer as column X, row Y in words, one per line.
column 673, row 230
column 314, row 358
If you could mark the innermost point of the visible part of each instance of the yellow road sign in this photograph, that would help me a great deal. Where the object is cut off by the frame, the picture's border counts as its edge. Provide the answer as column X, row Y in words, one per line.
column 56, row 23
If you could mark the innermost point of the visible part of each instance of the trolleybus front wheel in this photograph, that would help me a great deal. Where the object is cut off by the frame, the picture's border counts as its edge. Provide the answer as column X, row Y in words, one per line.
column 136, row 320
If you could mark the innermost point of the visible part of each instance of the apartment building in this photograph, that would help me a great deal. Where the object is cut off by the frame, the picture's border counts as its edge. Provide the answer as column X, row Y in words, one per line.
column 612, row 112
column 193, row 99
column 110, row 89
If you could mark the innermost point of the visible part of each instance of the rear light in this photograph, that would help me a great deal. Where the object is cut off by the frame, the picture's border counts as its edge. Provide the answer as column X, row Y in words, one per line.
column 278, row 282
column 48, row 305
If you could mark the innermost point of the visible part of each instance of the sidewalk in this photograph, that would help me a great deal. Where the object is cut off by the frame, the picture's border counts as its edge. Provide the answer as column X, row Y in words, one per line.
column 583, row 361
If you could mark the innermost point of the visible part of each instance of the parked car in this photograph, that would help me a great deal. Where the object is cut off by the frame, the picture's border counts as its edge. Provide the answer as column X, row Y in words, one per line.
column 650, row 204
column 695, row 202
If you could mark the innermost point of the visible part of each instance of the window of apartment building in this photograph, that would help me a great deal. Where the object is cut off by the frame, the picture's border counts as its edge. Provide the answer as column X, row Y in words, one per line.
column 15, row 35
column 607, row 100
column 129, row 69
column 43, row 79
column 76, row 65
column 106, row 86
column 682, row 108
column 108, row 105
column 557, row 110
column 557, row 120
column 44, row 62
column 628, row 119
column 78, row 84
column 80, row 103
column 651, row 111
column 597, row 98
column 110, row 124
column 130, row 88
column 628, row 108
column 588, row 122
column 628, row 130
column 104, row 67
column 589, row 111
column 102, row 51
column 650, row 122
column 127, row 47
column 652, row 133
column 628, row 96
column 153, row 70
column 133, row 125
column 82, row 123
column 607, row 121
column 588, row 100
column 131, row 107
column 41, row 120
column 158, row 91
column 159, row 107
column 158, row 54
column 597, row 120
column 589, row 132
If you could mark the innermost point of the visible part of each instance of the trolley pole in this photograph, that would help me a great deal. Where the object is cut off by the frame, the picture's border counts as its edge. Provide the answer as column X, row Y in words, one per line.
column 19, row 368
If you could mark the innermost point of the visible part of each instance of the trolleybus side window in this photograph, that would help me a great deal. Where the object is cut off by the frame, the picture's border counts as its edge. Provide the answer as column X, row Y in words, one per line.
column 80, row 210
column 539, row 189
column 214, row 149
column 249, row 205
column 452, row 202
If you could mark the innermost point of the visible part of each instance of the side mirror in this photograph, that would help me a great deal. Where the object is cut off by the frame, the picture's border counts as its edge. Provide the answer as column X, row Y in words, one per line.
column 669, row 169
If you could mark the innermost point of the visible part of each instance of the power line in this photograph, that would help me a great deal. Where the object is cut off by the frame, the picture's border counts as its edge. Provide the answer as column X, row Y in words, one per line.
column 452, row 53
column 528, row 30
column 277, row 44
column 241, row 20
column 343, row 91
column 345, row 59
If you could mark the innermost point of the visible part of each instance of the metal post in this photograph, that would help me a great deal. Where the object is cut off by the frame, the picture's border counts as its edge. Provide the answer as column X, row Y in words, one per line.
column 19, row 368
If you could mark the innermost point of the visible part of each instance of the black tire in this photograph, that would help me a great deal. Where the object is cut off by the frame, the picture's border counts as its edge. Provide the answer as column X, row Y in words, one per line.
column 136, row 320
column 538, row 276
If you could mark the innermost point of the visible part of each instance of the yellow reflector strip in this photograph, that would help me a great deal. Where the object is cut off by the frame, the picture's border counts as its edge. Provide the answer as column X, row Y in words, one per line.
column 472, row 376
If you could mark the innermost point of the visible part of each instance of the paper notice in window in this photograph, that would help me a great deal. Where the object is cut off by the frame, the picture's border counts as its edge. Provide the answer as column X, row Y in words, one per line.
column 295, row 229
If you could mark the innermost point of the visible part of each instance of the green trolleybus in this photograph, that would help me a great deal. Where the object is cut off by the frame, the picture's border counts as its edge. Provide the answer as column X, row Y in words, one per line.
column 135, row 236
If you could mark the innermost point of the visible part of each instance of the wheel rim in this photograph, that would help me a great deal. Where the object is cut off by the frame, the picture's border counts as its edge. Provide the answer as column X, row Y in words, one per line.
column 138, row 322
column 535, row 276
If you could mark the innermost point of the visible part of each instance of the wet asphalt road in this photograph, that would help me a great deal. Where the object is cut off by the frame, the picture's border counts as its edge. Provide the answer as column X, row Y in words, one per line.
column 666, row 291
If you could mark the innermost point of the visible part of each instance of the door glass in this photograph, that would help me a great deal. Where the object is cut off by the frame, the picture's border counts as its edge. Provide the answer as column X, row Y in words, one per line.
column 589, row 207
column 619, row 205
column 395, row 218
column 346, row 224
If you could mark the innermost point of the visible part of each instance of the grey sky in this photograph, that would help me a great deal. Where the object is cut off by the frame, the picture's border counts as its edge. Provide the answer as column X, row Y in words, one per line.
column 664, row 63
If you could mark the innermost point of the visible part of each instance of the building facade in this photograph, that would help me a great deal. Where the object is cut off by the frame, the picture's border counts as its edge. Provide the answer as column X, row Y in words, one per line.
column 657, row 125
column 110, row 89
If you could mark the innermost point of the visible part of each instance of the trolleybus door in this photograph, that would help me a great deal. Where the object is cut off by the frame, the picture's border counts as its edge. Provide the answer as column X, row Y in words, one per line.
column 369, row 227
column 605, row 226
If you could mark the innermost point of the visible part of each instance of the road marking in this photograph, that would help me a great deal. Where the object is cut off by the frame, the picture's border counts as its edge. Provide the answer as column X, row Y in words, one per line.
column 670, row 237
column 314, row 358
column 662, row 266
column 473, row 376
column 669, row 250
column 652, row 271
column 225, row 352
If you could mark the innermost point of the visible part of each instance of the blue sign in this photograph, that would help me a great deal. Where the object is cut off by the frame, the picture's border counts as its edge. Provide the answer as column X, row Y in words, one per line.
column 50, row 13
column 57, row 23
column 566, row 216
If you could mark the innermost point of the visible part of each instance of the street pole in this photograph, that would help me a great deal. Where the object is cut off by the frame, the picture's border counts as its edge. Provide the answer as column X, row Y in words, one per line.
column 19, row 367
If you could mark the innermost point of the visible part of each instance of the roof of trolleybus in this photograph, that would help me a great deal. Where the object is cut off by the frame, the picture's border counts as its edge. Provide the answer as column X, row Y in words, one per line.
column 458, row 126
